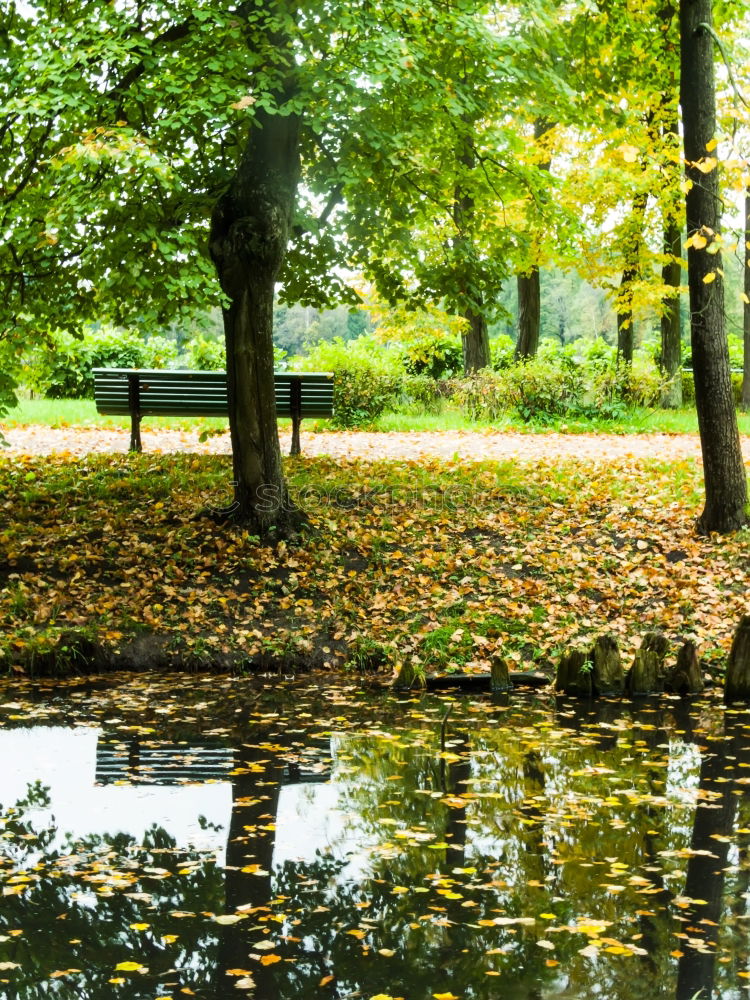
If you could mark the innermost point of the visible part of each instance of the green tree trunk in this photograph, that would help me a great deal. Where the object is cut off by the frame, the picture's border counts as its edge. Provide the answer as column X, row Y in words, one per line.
column 723, row 468
column 475, row 339
column 746, row 311
column 630, row 274
column 249, row 235
column 671, row 339
column 529, row 285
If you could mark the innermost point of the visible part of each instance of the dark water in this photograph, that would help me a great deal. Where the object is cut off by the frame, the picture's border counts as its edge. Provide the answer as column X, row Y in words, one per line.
column 219, row 838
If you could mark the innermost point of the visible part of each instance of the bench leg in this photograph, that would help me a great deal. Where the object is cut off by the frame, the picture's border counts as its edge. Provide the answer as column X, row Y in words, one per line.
column 295, row 449
column 135, row 432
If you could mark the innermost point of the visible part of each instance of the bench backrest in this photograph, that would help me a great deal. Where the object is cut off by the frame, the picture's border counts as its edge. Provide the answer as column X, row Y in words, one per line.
column 184, row 393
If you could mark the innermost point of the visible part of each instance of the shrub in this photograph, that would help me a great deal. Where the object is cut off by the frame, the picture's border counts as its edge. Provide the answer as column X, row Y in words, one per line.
column 426, row 393
column 64, row 368
column 204, row 354
column 160, row 353
column 502, row 352
column 367, row 377
column 557, row 383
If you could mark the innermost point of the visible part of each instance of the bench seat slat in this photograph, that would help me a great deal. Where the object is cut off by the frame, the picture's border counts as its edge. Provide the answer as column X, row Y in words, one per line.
column 190, row 393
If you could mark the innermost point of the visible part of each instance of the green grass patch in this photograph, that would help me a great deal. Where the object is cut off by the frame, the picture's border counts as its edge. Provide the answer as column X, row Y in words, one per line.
column 82, row 412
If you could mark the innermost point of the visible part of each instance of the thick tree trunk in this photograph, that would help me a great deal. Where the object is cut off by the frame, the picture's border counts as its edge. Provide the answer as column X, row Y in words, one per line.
column 249, row 234
column 475, row 342
column 529, row 313
column 723, row 469
column 746, row 311
column 671, row 334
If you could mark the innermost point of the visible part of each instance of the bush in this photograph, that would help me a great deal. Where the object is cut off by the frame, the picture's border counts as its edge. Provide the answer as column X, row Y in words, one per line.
column 367, row 381
column 426, row 393
column 688, row 388
column 63, row 368
column 203, row 354
column 557, row 383
column 502, row 352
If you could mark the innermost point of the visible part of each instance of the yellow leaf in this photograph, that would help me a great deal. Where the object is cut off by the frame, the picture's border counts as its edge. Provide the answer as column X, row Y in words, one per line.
column 130, row 967
column 358, row 934
column 686, row 186
column 711, row 146
column 237, row 972
column 270, row 959
column 629, row 153
column 326, row 980
column 139, row 927
column 698, row 241
column 445, row 996
column 169, row 938
column 708, row 278
column 707, row 165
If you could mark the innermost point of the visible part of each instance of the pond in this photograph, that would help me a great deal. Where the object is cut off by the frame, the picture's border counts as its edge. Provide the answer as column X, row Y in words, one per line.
column 217, row 837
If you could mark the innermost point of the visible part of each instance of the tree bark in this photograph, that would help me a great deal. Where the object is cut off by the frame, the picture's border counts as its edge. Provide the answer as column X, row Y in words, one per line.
column 630, row 274
column 249, row 235
column 671, row 334
column 529, row 284
column 475, row 342
column 723, row 469
column 529, row 313
column 746, row 311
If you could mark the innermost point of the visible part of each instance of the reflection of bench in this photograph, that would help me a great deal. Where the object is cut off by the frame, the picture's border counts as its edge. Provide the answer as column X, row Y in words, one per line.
column 149, row 393
column 152, row 762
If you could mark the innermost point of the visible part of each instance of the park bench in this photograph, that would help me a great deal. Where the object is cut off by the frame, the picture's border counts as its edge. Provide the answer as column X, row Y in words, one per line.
column 180, row 393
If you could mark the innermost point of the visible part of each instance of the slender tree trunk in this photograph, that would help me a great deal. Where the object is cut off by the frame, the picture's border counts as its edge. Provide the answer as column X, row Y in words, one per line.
column 630, row 274
column 249, row 234
column 671, row 334
column 670, row 362
column 746, row 311
column 723, row 468
column 529, row 313
column 475, row 338
column 529, row 285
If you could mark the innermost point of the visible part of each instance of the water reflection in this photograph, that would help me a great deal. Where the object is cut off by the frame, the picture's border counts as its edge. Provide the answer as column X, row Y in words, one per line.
column 523, row 850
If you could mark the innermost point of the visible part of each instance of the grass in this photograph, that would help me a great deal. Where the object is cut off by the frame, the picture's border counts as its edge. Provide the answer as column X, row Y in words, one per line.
column 82, row 413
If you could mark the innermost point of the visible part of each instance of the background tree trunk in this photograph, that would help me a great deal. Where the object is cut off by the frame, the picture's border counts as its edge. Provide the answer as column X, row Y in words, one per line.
column 529, row 285
column 249, row 235
column 475, row 342
column 529, row 313
column 630, row 274
column 723, row 468
column 671, row 334
column 746, row 311
column 475, row 339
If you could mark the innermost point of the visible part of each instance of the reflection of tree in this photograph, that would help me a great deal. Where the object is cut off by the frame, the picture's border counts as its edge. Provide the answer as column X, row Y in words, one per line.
column 704, row 885
column 248, row 887
column 73, row 909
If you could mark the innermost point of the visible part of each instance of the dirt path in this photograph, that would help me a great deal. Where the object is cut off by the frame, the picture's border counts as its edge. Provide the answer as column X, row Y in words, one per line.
column 466, row 445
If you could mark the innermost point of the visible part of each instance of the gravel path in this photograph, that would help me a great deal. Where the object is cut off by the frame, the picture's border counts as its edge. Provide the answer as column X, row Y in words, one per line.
column 467, row 445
